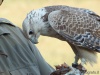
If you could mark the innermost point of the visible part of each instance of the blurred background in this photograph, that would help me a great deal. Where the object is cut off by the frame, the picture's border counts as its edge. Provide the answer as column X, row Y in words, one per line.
column 53, row 50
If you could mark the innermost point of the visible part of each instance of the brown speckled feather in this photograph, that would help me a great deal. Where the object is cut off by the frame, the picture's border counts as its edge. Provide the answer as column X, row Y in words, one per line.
column 79, row 28
column 49, row 9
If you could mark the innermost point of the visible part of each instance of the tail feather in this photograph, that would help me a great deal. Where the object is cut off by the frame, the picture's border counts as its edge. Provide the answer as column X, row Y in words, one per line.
column 89, row 56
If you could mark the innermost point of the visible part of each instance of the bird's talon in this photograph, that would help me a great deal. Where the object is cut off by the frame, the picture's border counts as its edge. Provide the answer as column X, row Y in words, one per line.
column 74, row 65
column 81, row 68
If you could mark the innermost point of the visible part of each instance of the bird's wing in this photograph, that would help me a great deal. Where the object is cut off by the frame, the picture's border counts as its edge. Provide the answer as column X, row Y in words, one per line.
column 74, row 9
column 90, row 13
column 79, row 28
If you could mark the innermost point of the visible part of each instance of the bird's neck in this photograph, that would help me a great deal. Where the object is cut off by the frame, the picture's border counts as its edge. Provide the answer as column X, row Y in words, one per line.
column 47, row 30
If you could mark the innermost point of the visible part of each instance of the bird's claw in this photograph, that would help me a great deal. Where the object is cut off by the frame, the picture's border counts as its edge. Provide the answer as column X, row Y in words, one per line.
column 81, row 68
column 74, row 65
column 64, row 69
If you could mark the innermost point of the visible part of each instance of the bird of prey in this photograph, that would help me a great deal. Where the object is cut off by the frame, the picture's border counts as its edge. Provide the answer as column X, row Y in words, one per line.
column 78, row 26
column 1, row 1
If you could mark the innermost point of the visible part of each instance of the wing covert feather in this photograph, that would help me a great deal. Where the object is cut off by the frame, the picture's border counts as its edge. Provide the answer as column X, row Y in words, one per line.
column 78, row 28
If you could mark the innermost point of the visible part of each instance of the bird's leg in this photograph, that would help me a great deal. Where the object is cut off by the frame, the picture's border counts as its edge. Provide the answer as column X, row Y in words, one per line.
column 83, row 61
column 81, row 67
column 75, row 64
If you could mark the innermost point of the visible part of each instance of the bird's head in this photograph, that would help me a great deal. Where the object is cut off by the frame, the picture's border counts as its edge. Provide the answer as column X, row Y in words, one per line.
column 31, row 30
column 34, row 25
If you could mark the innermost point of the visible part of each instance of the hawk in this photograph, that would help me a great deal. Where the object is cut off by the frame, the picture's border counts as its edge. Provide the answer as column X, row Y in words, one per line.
column 78, row 26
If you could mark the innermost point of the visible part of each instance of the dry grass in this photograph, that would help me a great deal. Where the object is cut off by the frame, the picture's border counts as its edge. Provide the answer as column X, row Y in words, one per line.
column 54, row 51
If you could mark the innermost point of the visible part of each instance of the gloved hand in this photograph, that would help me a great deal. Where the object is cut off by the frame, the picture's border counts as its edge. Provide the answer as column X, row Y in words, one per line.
column 61, row 70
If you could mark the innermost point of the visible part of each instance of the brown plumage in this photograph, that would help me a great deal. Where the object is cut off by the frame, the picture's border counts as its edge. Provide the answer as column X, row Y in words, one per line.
column 79, row 27
column 77, row 30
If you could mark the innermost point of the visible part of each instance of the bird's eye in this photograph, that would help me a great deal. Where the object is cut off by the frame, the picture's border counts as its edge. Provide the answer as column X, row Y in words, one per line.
column 31, row 32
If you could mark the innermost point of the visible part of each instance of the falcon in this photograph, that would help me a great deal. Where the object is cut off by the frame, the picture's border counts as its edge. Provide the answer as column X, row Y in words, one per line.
column 79, row 27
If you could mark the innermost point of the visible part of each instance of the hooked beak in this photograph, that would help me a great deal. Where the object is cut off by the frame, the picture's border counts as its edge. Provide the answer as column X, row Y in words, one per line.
column 34, row 40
